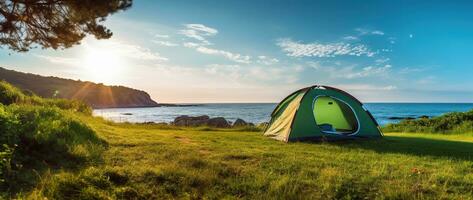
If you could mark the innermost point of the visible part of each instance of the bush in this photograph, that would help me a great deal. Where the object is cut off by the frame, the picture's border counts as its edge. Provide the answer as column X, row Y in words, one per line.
column 12, row 95
column 455, row 122
column 41, row 137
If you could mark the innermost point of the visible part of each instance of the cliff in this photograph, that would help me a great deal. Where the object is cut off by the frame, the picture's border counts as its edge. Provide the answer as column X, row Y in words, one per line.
column 96, row 95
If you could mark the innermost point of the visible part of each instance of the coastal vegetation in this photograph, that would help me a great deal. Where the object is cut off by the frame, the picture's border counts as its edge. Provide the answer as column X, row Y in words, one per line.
column 450, row 123
column 61, row 152
column 39, row 135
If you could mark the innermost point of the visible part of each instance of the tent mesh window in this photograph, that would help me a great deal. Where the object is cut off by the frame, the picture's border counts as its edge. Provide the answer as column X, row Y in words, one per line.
column 334, row 116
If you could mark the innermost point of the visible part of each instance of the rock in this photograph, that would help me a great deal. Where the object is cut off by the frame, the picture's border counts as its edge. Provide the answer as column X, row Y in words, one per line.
column 239, row 122
column 218, row 122
column 400, row 118
column 185, row 120
column 424, row 117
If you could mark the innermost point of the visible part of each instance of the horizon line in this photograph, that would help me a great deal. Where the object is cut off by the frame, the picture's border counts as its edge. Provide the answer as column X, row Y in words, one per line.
column 279, row 102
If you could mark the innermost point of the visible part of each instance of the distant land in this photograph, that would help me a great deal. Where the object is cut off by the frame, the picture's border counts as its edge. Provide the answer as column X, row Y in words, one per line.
column 96, row 95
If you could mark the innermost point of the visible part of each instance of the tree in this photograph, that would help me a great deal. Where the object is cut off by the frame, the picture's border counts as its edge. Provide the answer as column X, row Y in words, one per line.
column 25, row 24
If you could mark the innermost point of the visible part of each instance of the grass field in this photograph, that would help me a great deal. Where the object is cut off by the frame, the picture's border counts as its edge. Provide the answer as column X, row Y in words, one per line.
column 155, row 162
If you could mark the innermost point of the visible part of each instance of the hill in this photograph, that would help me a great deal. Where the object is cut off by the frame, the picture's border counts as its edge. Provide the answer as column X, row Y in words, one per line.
column 96, row 95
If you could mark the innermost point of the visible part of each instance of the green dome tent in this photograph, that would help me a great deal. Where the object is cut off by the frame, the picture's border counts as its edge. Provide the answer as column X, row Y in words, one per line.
column 321, row 113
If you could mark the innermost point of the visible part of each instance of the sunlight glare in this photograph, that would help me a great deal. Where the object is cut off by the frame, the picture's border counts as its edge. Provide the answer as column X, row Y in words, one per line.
column 102, row 65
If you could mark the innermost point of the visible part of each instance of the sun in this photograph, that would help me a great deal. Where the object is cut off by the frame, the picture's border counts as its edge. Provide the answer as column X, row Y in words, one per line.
column 102, row 65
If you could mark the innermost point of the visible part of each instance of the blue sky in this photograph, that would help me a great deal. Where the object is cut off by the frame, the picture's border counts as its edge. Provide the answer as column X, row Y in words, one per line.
column 260, row 51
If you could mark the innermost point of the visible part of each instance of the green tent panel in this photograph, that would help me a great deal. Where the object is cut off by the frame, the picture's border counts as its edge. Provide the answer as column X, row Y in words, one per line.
column 321, row 113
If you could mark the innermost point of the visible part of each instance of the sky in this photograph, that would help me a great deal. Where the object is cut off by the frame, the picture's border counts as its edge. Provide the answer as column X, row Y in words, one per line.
column 261, row 51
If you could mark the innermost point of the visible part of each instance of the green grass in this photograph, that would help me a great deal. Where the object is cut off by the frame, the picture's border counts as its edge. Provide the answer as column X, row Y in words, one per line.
column 13, row 95
column 55, row 151
column 146, row 162
column 37, row 138
column 39, row 135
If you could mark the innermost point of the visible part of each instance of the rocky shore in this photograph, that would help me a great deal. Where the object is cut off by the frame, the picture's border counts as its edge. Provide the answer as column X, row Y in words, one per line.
column 204, row 120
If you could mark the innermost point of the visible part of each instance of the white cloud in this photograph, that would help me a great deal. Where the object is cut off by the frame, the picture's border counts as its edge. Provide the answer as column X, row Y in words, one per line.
column 297, row 49
column 202, row 28
column 408, row 70
column 161, row 36
column 427, row 80
column 368, row 71
column 232, row 56
column 115, row 47
column 126, row 50
column 164, row 43
column 350, row 37
column 267, row 60
column 377, row 32
column 198, row 32
column 364, row 31
column 191, row 44
column 336, row 71
column 59, row 60
column 382, row 60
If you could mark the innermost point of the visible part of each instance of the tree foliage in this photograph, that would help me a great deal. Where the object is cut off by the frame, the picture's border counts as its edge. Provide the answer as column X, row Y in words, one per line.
column 55, row 24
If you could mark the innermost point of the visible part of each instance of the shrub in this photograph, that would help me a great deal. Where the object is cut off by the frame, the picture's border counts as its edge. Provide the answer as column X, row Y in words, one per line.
column 12, row 95
column 455, row 122
column 43, row 137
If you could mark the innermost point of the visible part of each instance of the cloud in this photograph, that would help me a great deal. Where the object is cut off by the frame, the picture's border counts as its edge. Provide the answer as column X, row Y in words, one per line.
column 267, row 60
column 382, row 60
column 427, row 80
column 191, row 44
column 115, row 47
column 367, row 71
column 377, row 32
column 350, row 37
column 297, row 49
column 232, row 56
column 164, row 43
column 364, row 31
column 59, row 60
column 161, row 36
column 408, row 70
column 198, row 32
column 336, row 70
column 131, row 51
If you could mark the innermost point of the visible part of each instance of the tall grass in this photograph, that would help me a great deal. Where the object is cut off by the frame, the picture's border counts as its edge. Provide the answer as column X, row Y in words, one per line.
column 450, row 123
column 38, row 135
column 13, row 95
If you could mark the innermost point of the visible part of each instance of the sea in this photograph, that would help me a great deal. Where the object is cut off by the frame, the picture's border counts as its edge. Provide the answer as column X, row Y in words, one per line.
column 384, row 113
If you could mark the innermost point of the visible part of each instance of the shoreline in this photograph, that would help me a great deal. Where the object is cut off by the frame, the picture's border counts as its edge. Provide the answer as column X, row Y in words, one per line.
column 150, row 106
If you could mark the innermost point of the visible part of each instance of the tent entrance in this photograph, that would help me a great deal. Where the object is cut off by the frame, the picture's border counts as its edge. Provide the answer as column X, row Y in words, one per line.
column 334, row 116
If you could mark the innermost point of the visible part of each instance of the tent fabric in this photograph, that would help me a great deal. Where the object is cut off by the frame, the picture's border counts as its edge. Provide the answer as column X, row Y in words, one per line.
column 280, row 126
column 321, row 113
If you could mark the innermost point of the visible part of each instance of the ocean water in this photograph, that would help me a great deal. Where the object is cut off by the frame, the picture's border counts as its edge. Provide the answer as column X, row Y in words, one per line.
column 260, row 112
